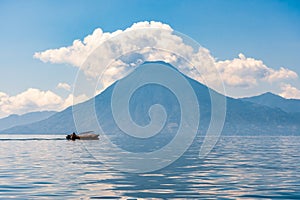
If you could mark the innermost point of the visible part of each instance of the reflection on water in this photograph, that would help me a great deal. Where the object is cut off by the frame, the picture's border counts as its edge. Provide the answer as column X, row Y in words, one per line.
column 238, row 167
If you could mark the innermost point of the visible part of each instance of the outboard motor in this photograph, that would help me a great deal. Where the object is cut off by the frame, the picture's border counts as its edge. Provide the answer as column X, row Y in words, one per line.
column 73, row 137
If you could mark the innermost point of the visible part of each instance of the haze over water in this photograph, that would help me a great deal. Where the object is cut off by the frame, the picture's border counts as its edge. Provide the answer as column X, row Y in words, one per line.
column 37, row 166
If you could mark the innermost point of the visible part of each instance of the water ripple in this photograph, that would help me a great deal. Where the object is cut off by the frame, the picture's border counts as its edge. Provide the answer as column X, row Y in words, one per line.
column 237, row 168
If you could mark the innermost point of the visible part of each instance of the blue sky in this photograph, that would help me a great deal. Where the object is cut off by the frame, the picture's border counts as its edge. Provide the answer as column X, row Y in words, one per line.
column 264, row 30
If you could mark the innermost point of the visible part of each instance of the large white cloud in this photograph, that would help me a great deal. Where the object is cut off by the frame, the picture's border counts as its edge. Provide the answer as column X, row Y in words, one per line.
column 239, row 72
column 77, row 53
column 33, row 100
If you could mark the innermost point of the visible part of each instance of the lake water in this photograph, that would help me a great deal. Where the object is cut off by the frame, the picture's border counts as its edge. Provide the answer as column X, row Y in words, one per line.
column 37, row 166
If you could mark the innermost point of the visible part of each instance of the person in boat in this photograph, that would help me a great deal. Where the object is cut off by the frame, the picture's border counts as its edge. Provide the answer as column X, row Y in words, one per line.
column 73, row 137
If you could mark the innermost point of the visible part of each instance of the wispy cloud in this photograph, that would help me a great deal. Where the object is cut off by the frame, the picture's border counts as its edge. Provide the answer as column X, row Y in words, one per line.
column 64, row 86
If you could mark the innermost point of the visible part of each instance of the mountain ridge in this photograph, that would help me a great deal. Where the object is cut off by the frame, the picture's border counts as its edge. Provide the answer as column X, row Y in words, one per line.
column 27, row 118
column 242, row 117
column 275, row 101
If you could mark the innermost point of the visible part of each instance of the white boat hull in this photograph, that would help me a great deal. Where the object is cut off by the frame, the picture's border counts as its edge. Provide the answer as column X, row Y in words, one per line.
column 88, row 136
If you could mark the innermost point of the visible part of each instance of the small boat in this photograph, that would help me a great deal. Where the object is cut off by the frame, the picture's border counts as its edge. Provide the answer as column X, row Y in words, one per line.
column 89, row 135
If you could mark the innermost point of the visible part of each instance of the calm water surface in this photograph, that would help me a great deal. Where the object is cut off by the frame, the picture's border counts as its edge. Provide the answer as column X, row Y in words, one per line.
column 37, row 166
